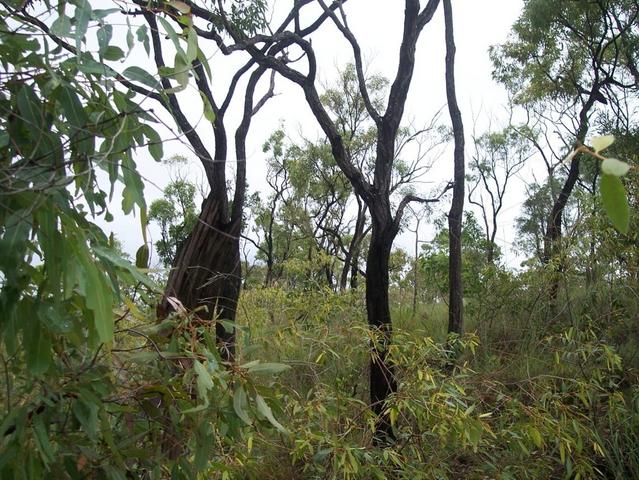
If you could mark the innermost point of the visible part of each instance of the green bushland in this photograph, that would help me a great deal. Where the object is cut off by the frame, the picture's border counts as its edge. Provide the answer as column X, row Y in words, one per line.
column 526, row 394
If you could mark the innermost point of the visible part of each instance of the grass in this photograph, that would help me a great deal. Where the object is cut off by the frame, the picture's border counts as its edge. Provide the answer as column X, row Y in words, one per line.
column 534, row 399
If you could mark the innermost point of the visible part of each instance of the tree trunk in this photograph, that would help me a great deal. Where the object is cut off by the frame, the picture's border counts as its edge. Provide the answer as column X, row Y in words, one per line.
column 382, row 372
column 416, row 268
column 553, row 234
column 206, row 273
column 456, row 292
column 351, row 262
column 355, row 271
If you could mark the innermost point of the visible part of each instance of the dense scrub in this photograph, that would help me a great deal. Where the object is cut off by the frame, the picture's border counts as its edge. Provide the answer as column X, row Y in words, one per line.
column 517, row 398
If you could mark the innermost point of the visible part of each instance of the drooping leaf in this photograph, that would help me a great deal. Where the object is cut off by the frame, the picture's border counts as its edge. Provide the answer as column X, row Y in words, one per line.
column 61, row 26
column 599, row 144
column 98, row 297
column 116, row 260
column 143, row 37
column 113, row 53
column 142, row 257
column 209, row 114
column 204, row 380
column 265, row 410
column 155, row 142
column 104, row 35
column 175, row 38
column 42, row 439
column 192, row 48
column 615, row 202
column 82, row 17
column 36, row 341
column 612, row 166
column 240, row 404
column 181, row 74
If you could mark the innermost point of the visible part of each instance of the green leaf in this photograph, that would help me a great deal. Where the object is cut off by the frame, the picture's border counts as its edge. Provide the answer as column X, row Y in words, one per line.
column 29, row 106
column 268, row 368
column 156, row 148
column 133, row 193
column 615, row 202
column 599, row 144
column 89, row 66
column 175, row 38
column 209, row 114
column 180, row 74
column 138, row 74
column 100, row 13
column 82, row 16
column 113, row 53
column 612, row 166
column 104, row 35
column 72, row 107
column 61, row 27
column 204, row 61
column 37, row 343
column 42, row 439
column 192, row 48
column 240, row 403
column 112, row 257
column 143, row 37
column 142, row 257
column 98, row 297
column 204, row 380
column 265, row 410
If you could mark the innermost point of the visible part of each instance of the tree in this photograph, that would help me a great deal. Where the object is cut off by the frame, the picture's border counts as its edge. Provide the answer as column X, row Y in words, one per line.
column 61, row 122
column 433, row 259
column 175, row 214
column 376, row 195
column 498, row 157
column 456, row 289
column 569, row 60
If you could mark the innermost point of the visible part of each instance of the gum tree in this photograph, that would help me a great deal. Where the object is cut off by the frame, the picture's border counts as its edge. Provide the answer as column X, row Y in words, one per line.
column 386, row 220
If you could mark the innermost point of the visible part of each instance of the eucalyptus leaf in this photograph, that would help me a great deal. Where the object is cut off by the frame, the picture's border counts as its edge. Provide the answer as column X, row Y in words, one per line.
column 240, row 404
column 599, row 144
column 265, row 410
column 138, row 74
column 612, row 166
column 615, row 202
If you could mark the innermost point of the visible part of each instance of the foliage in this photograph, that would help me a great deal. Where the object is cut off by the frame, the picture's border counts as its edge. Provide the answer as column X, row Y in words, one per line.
column 434, row 258
column 611, row 187
column 566, row 415
column 175, row 214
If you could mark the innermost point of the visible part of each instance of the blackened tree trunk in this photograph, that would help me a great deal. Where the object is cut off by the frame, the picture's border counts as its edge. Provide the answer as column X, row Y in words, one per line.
column 376, row 195
column 382, row 370
column 351, row 260
column 456, row 292
column 206, row 274
column 553, row 234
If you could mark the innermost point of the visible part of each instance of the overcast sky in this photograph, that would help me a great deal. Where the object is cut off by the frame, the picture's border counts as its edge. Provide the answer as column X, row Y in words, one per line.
column 378, row 26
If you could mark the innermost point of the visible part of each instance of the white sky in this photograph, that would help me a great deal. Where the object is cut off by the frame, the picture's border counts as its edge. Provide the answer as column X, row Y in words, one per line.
column 377, row 24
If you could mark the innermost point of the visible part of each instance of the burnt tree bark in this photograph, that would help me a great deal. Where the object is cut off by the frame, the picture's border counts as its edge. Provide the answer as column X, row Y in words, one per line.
column 456, row 292
column 206, row 273
column 376, row 195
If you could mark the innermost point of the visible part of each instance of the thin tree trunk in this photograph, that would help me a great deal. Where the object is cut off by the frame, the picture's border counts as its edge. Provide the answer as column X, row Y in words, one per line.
column 456, row 292
column 415, row 268
column 553, row 234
